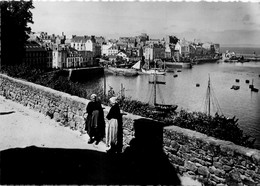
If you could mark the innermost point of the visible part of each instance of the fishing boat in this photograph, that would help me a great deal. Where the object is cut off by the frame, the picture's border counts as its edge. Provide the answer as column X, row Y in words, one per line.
column 161, row 109
column 148, row 69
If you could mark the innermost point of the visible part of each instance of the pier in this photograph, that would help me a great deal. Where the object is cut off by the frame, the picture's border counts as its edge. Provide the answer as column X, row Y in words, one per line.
column 79, row 74
column 251, row 57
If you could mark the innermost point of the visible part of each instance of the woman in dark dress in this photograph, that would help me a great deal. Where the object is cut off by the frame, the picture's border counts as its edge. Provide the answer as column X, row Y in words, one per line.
column 95, row 123
column 114, row 131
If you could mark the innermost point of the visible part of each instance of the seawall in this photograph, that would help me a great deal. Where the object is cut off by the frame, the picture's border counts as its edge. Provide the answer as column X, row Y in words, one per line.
column 82, row 74
column 211, row 161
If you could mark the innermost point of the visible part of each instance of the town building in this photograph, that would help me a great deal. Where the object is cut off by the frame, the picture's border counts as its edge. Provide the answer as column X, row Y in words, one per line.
column 154, row 51
column 74, row 59
column 104, row 49
column 113, row 50
column 169, row 51
column 35, row 55
column 86, row 43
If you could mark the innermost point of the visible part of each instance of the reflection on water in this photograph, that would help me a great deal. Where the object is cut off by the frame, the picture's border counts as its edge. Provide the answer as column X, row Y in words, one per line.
column 182, row 90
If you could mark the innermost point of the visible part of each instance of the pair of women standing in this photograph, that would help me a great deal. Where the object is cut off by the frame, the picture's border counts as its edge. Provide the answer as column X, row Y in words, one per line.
column 95, row 124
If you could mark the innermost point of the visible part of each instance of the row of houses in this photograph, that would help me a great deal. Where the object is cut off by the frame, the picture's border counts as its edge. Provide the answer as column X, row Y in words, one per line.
column 81, row 51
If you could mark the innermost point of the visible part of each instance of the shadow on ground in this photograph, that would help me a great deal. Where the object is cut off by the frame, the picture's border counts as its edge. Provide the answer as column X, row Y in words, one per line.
column 143, row 162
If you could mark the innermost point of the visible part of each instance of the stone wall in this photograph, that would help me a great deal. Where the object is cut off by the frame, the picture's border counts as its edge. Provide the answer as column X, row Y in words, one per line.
column 211, row 161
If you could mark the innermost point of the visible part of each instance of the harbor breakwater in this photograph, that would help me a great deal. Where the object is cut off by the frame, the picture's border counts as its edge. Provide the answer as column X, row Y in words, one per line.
column 211, row 161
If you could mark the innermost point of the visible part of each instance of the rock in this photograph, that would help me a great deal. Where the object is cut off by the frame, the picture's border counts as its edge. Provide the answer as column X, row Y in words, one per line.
column 56, row 116
column 248, row 181
column 217, row 172
column 234, row 176
column 217, row 179
column 226, row 168
column 190, row 166
column 217, row 165
column 177, row 160
column 203, row 171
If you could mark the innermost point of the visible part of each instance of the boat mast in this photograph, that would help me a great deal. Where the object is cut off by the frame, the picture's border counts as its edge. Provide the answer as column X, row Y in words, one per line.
column 154, row 93
column 209, row 95
column 104, row 86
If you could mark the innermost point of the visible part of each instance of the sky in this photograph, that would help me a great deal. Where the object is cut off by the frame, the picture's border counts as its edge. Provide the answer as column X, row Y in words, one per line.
column 227, row 23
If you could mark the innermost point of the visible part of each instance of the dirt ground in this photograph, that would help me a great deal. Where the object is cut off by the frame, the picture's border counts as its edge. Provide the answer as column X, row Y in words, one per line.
column 21, row 127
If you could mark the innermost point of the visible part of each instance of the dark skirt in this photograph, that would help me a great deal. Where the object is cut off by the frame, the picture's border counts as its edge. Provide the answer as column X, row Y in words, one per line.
column 94, row 125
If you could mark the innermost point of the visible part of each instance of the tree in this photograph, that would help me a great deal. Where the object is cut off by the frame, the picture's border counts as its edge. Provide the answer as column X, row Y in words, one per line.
column 15, row 15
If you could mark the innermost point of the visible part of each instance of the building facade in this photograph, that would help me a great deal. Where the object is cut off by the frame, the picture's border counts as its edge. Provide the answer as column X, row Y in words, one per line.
column 35, row 55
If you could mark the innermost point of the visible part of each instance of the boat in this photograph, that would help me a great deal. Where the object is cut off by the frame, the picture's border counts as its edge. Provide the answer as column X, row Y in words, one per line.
column 237, row 80
column 197, row 85
column 171, row 65
column 211, row 101
column 254, row 89
column 160, row 109
column 122, row 71
column 235, row 87
column 149, row 70
column 232, row 59
column 153, row 71
column 205, row 60
column 175, row 75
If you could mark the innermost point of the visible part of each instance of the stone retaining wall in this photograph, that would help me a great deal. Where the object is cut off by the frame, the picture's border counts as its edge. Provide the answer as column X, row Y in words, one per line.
column 211, row 161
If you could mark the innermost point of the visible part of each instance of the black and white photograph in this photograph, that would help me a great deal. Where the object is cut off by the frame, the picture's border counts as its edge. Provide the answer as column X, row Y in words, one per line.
column 130, row 92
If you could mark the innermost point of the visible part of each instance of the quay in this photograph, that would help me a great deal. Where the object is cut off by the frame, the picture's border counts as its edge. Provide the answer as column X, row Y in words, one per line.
column 251, row 57
column 86, row 72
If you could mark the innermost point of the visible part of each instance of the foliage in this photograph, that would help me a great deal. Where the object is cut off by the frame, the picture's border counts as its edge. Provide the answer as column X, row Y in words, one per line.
column 15, row 15
column 217, row 126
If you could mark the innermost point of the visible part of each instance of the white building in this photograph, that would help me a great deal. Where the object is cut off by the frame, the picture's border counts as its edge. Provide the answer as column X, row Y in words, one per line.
column 104, row 49
column 59, row 55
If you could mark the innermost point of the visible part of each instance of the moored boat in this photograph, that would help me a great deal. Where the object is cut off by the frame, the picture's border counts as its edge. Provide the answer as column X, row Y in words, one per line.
column 122, row 71
column 205, row 60
column 173, row 65
column 235, row 87
column 153, row 71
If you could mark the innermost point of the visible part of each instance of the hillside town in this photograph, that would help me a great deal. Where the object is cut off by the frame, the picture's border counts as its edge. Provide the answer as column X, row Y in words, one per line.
column 58, row 51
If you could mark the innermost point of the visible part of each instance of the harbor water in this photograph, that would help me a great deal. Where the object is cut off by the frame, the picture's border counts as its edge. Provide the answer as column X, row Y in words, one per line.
column 182, row 90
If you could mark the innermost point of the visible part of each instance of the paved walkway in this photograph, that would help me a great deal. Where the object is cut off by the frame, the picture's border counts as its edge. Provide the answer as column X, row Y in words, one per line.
column 61, row 153
column 22, row 127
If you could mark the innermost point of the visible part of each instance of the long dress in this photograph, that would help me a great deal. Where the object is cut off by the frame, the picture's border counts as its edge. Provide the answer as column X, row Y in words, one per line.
column 114, row 128
column 95, row 123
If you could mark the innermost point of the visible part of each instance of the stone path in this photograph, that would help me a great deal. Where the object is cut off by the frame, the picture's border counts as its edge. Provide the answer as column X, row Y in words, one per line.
column 22, row 127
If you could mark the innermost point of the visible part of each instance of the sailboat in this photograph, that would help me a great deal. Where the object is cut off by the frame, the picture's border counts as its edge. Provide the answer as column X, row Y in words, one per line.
column 211, row 100
column 154, row 70
column 160, row 108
